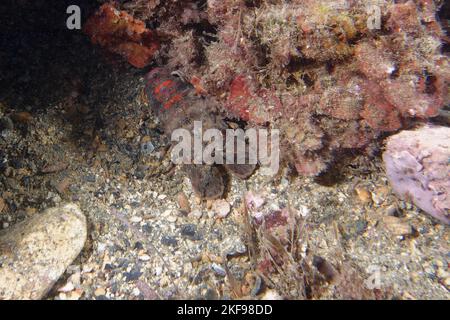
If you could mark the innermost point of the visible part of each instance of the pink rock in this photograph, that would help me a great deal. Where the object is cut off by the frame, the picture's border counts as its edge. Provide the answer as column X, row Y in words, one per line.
column 418, row 167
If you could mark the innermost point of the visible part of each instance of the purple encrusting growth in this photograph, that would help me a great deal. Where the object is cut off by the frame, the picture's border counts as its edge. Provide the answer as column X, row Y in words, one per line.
column 418, row 167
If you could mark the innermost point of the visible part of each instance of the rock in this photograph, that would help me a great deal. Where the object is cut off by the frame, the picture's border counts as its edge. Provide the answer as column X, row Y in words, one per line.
column 2, row 204
column 258, row 286
column 36, row 252
column 67, row 287
column 397, row 226
column 147, row 146
column 100, row 291
column 304, row 211
column 271, row 295
column 22, row 117
column 189, row 231
column 133, row 275
column 253, row 201
column 6, row 124
column 447, row 282
column 218, row 270
column 221, row 208
column 417, row 167
column 197, row 214
column 147, row 292
column 364, row 195
column 183, row 203
column 169, row 241
column 325, row 268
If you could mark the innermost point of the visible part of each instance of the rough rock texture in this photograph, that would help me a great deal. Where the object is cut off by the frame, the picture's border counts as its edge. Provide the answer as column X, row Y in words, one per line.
column 321, row 71
column 417, row 164
column 36, row 252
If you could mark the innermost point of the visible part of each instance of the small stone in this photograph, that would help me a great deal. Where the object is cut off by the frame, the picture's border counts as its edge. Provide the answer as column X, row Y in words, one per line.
column 22, row 117
column 190, row 231
column 100, row 292
column 271, row 295
column 134, row 274
column 136, row 219
column 183, row 203
column 197, row 214
column 236, row 248
column 172, row 219
column 37, row 251
column 439, row 263
column 147, row 146
column 101, row 247
column 363, row 194
column 218, row 270
column 75, row 295
column 136, row 292
column 169, row 241
column 397, row 226
column 221, row 208
column 254, row 201
column 138, row 245
column 87, row 268
column 379, row 197
column 90, row 178
column 30, row 211
column 304, row 211
column 446, row 282
column 67, row 287
column 144, row 257
column 257, row 287
column 2, row 204
column 147, row 228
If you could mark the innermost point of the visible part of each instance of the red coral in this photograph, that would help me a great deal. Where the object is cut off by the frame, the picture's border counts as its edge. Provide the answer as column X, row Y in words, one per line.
column 403, row 17
column 122, row 34
column 378, row 113
column 405, row 93
column 249, row 103
column 375, row 63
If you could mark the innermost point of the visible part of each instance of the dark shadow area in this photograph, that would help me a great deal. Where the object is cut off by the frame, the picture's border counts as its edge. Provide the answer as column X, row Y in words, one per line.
column 43, row 64
column 40, row 58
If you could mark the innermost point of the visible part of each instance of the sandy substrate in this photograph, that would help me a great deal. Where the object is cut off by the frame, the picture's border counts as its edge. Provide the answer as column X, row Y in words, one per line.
column 92, row 147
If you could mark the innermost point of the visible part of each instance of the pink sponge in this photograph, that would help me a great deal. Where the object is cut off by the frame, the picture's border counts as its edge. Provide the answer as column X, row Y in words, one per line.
column 418, row 167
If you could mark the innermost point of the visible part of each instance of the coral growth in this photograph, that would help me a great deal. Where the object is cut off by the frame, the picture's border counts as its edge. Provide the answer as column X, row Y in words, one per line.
column 122, row 34
column 324, row 72
column 417, row 164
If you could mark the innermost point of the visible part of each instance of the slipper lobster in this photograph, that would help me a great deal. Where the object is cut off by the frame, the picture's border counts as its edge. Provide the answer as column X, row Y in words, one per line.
column 177, row 105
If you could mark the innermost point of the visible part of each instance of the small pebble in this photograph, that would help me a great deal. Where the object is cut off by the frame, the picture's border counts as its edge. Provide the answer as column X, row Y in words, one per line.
column 364, row 196
column 218, row 270
column 183, row 203
column 197, row 214
column 271, row 295
column 67, row 287
column 397, row 226
column 144, row 257
column 221, row 208
column 100, row 291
